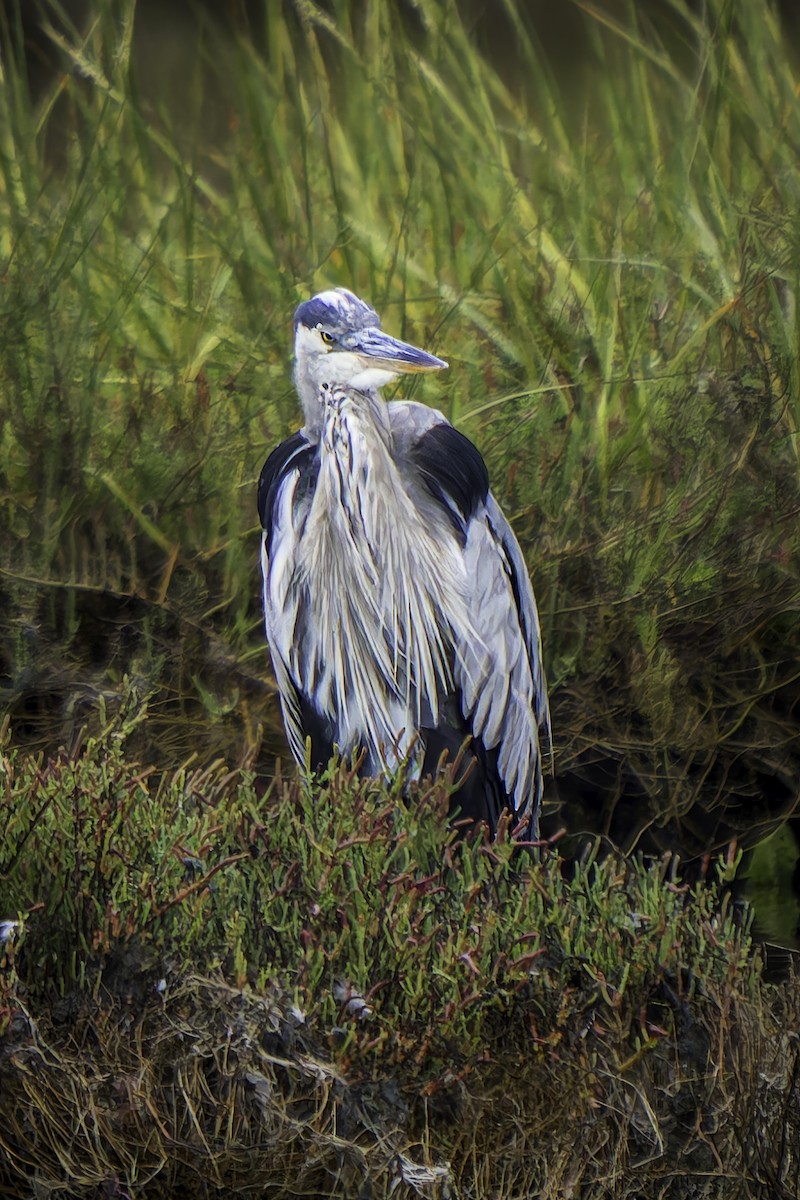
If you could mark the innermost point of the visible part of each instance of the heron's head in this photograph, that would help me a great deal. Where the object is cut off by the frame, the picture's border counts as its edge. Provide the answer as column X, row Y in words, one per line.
column 338, row 340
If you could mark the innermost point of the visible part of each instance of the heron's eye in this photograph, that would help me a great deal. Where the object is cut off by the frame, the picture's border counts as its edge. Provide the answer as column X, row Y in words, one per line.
column 327, row 338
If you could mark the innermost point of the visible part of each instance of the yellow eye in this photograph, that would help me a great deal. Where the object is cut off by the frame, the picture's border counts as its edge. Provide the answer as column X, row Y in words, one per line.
column 327, row 338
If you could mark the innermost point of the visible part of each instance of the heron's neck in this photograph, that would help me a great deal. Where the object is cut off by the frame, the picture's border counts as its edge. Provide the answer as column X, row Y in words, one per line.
column 340, row 371
column 308, row 391
column 354, row 428
column 358, row 474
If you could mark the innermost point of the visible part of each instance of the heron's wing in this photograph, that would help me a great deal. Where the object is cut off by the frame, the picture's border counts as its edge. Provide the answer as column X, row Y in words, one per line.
column 287, row 481
column 497, row 647
column 409, row 421
column 525, row 600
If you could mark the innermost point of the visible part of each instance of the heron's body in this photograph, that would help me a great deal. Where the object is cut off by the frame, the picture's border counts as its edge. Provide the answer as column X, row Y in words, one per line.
column 399, row 613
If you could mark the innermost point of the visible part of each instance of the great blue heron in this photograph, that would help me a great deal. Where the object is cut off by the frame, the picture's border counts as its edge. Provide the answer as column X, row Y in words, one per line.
column 399, row 613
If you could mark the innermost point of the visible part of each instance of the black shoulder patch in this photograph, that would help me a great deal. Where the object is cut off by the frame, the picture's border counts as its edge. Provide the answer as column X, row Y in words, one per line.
column 296, row 453
column 452, row 470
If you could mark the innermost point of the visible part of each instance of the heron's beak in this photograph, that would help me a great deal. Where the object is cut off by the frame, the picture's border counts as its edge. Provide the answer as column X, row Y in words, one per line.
column 384, row 353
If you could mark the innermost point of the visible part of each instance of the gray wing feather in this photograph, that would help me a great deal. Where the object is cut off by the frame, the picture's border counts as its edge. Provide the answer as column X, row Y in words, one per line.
column 498, row 657
column 409, row 420
column 526, row 607
column 498, row 670
column 282, row 600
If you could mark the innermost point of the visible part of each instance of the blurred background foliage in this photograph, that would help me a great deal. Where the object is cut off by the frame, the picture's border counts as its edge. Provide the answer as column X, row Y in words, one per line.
column 594, row 222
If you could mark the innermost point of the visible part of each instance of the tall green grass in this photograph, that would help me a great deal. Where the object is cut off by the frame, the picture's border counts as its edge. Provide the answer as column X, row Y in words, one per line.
column 608, row 259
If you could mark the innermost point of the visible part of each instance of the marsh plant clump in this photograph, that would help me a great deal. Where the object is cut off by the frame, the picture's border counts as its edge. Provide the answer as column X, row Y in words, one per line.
column 325, row 991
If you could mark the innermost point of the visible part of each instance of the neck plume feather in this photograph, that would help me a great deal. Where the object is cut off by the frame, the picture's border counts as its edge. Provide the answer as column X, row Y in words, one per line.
column 381, row 581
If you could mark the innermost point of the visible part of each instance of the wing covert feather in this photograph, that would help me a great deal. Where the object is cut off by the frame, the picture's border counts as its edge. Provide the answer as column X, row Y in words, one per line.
column 286, row 482
column 497, row 654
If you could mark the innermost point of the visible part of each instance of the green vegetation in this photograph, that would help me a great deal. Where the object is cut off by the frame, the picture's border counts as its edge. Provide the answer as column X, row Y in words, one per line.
column 304, row 992
column 608, row 254
column 770, row 887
